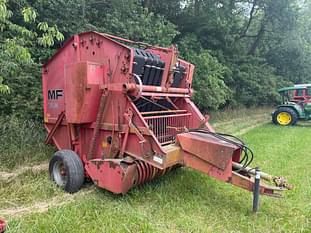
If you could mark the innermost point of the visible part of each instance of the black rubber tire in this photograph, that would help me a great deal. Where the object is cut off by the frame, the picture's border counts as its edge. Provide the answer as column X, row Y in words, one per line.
column 73, row 168
column 290, row 111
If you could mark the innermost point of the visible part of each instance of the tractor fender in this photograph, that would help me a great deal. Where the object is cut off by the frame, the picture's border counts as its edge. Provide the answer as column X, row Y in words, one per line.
column 297, row 108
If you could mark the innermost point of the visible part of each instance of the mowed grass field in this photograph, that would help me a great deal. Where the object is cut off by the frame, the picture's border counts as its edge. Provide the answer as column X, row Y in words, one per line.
column 181, row 201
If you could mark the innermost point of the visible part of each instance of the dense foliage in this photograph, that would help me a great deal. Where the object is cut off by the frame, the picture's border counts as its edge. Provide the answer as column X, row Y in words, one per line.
column 243, row 49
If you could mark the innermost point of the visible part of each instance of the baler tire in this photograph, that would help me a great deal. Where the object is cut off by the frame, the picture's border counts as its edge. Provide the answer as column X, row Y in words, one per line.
column 73, row 168
column 290, row 111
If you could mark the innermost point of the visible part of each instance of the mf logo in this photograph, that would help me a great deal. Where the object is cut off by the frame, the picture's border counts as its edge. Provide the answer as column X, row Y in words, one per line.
column 55, row 94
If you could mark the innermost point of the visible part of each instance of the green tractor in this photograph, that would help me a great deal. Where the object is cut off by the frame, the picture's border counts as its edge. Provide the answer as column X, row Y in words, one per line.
column 296, row 105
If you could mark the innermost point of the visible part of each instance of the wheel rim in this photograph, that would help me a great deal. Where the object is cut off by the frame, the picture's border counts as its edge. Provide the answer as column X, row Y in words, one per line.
column 284, row 118
column 59, row 173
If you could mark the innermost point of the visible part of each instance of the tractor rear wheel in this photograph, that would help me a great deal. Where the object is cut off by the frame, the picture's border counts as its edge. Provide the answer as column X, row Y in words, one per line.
column 66, row 170
column 284, row 116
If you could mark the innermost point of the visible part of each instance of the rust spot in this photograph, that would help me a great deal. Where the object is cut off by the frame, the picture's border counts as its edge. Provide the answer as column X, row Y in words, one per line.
column 124, row 69
column 112, row 164
column 98, row 163
column 75, row 45
column 98, row 43
column 91, row 39
column 82, row 42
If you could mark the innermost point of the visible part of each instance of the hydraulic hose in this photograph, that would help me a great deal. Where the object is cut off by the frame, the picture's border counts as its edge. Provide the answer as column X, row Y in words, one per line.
column 248, row 154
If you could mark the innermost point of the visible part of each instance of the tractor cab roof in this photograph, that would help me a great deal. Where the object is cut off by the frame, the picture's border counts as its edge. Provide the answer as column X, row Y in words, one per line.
column 296, row 87
column 302, row 85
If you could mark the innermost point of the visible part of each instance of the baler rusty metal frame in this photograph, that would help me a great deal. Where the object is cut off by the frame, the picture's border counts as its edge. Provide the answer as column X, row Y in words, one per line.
column 120, row 145
column 2, row 226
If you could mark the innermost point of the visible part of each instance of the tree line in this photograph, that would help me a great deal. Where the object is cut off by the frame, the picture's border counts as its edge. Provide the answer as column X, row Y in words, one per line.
column 243, row 49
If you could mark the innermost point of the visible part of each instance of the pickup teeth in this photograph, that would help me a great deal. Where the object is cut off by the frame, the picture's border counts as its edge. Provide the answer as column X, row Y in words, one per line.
column 146, row 172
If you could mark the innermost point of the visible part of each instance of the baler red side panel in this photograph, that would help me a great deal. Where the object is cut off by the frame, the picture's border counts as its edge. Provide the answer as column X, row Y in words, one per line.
column 54, row 81
column 60, row 137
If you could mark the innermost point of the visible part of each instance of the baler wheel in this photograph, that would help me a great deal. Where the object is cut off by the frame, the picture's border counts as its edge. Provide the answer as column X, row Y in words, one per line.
column 66, row 169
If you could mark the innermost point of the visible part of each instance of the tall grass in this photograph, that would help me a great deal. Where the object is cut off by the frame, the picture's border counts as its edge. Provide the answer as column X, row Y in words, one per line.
column 239, row 121
column 237, row 113
column 21, row 142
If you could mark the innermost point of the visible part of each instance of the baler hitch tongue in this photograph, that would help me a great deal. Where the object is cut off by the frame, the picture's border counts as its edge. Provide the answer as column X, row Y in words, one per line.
column 247, row 173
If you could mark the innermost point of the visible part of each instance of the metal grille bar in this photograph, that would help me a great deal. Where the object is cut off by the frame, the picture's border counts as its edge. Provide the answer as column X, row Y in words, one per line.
column 165, row 127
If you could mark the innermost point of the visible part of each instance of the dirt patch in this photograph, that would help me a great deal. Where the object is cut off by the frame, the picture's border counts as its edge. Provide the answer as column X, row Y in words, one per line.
column 43, row 206
column 240, row 126
column 245, row 130
column 11, row 175
column 242, row 119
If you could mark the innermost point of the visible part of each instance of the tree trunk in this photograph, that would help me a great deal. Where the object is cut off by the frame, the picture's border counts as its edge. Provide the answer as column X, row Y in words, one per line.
column 258, row 38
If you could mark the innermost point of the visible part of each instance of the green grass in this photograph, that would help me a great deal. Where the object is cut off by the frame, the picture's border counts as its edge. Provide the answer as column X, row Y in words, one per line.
column 26, row 188
column 181, row 201
column 247, row 114
column 21, row 142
